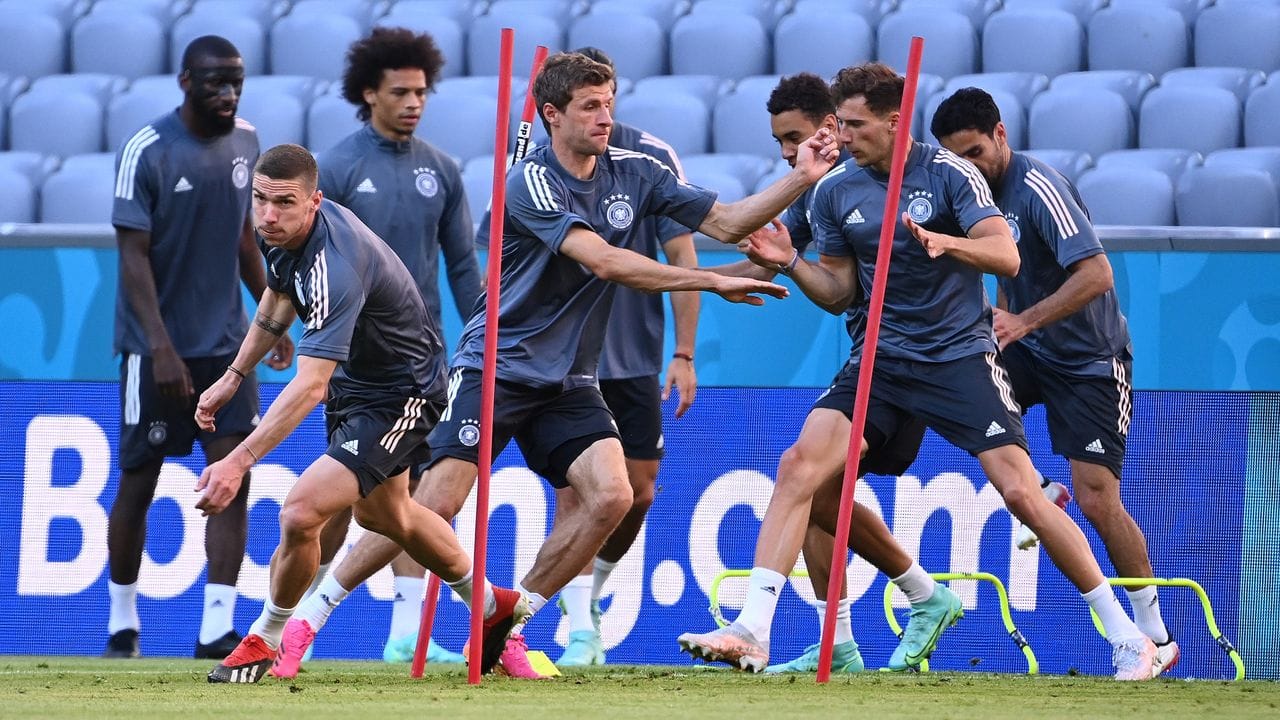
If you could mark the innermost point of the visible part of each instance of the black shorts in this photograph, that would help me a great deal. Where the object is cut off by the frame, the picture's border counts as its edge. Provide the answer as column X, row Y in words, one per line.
column 893, row 436
column 379, row 436
column 636, row 404
column 1088, row 415
column 552, row 426
column 153, row 426
column 968, row 401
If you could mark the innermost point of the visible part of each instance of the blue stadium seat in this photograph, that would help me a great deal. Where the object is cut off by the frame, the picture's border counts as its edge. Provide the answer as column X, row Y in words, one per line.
column 927, row 86
column 1071, row 163
column 1239, row 35
column 639, row 52
column 34, row 42
column 100, row 85
column 66, row 11
column 821, row 43
column 1227, row 196
column 1203, row 119
column 1170, row 161
column 1132, row 85
column 18, row 201
column 477, row 180
column 33, row 165
column 539, row 135
column 731, row 46
column 562, row 11
column 1128, row 196
column 1012, row 114
column 747, row 169
column 1081, row 9
column 146, row 99
column 706, row 88
column 976, row 10
column 330, row 119
column 664, row 11
column 244, row 31
column 1046, row 41
column 1240, row 81
column 727, row 186
column 762, row 10
column 676, row 117
column 776, row 171
column 1024, row 86
column 96, row 42
column 276, row 105
column 57, row 119
column 869, row 10
column 448, row 34
column 950, row 38
column 162, row 11
column 312, row 44
column 264, row 12
column 362, row 11
column 531, row 30
column 740, row 123
column 81, row 191
column 1266, row 159
column 1188, row 9
column 462, row 125
column 1260, row 113
column 1090, row 120
column 1150, row 38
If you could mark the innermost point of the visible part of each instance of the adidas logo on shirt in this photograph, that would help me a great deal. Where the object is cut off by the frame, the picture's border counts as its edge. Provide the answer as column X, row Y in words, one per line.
column 366, row 186
column 352, row 446
column 994, row 429
column 1095, row 447
column 854, row 217
column 183, row 185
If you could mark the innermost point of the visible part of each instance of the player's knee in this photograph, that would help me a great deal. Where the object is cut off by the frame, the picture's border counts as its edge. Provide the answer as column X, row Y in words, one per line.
column 641, row 497
column 381, row 521
column 1021, row 501
column 797, row 473
column 611, row 499
column 299, row 523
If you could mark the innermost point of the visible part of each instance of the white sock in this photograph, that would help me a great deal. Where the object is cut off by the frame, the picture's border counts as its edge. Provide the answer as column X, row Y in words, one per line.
column 601, row 570
column 916, row 584
column 406, row 608
column 465, row 587
column 270, row 624
column 124, row 607
column 763, row 589
column 321, row 574
column 1115, row 623
column 577, row 603
column 536, row 601
column 219, row 610
column 1146, row 613
column 844, row 626
column 321, row 603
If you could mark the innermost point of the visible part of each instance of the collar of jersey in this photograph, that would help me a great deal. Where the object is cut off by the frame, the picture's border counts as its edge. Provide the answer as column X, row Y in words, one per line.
column 394, row 146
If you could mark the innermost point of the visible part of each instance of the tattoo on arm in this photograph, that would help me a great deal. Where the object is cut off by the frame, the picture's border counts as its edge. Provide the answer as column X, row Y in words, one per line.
column 275, row 327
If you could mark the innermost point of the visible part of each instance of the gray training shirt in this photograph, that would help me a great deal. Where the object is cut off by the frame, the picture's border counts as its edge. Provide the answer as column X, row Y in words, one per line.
column 192, row 195
column 411, row 195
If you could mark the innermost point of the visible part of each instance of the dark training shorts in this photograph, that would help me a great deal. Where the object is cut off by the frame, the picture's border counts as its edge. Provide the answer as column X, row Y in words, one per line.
column 636, row 404
column 379, row 435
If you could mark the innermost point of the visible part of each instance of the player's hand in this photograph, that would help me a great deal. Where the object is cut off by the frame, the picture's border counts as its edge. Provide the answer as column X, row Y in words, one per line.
column 746, row 290
column 212, row 400
column 281, row 355
column 1009, row 327
column 171, row 374
column 770, row 246
column 220, row 483
column 817, row 155
column 680, row 373
column 935, row 244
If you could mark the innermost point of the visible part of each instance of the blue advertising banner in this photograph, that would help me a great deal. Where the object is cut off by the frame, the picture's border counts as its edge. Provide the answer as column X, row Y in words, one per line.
column 1192, row 481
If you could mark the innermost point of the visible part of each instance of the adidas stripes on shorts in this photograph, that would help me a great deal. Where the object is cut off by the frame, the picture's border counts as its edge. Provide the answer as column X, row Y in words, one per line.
column 378, row 436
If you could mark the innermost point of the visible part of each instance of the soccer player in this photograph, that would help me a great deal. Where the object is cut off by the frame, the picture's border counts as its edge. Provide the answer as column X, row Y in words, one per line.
column 181, row 215
column 1062, row 336
column 410, row 194
column 936, row 360
column 372, row 353
column 572, row 208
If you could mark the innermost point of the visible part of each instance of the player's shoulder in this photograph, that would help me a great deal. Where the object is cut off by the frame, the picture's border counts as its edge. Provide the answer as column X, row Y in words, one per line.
column 147, row 139
column 837, row 178
column 1032, row 172
column 627, row 161
column 954, row 169
column 244, row 126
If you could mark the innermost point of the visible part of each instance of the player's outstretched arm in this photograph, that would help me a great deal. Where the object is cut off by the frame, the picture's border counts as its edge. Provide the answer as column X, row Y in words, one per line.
column 271, row 322
column 831, row 283
column 989, row 246
column 1089, row 278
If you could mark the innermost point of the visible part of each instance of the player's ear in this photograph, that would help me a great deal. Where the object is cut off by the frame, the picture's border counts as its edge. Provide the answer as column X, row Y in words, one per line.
column 893, row 118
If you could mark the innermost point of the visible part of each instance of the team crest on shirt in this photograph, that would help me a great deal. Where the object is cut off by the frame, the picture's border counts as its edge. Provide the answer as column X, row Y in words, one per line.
column 469, row 433
column 158, row 433
column 424, row 178
column 618, row 211
column 920, row 206
column 1014, row 227
column 240, row 173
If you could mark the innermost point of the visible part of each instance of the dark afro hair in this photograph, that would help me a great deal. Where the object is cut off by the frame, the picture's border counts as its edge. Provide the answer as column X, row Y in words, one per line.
column 387, row 49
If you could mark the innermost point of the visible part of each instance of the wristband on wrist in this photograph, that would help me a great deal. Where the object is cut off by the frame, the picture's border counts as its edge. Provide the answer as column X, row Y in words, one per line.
column 235, row 371
column 791, row 266
column 252, row 454
column 683, row 356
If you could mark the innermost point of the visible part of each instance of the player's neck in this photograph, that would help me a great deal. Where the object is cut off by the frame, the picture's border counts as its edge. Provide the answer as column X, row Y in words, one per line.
column 391, row 134
column 885, row 165
column 579, row 165
column 197, row 125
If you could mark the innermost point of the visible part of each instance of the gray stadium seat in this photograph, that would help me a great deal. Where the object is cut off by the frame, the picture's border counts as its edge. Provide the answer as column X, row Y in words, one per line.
column 740, row 123
column 1012, row 114
column 976, row 10
column 362, row 11
column 539, row 134
column 727, row 186
column 477, row 84
column 1132, row 85
column 96, row 42
column 477, row 180
column 276, row 105
column 66, row 11
column 927, row 87
column 950, row 38
column 1071, row 163
column 1170, row 161
column 664, row 11
column 1227, row 196
column 747, row 169
column 34, row 42
column 331, row 118
column 1024, row 86
column 776, row 171
column 731, row 46
column 639, row 52
column 35, row 166
column 244, row 31
column 1203, row 119
column 762, row 10
column 81, row 191
column 264, row 12
column 57, row 119
column 1240, row 81
column 1239, row 35
column 485, row 38
column 1189, row 9
column 448, row 34
column 101, row 86
column 18, row 201
column 1260, row 113
column 312, row 44
column 1128, row 196
column 1266, row 159
column 1081, row 9
column 869, row 10
column 1089, row 120
column 1057, row 48
column 821, row 43
column 678, row 118
column 562, row 11
column 1150, row 38
column 463, row 125
column 706, row 88
column 146, row 99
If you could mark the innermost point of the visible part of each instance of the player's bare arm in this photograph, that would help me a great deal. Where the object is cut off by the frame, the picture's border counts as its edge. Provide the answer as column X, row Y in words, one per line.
column 270, row 323
column 254, row 277
column 139, row 283
column 680, row 252
column 989, row 245
column 1089, row 278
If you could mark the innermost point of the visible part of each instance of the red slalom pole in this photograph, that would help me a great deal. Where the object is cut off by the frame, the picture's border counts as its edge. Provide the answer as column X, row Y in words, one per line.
column 881, row 280
column 489, row 373
column 424, row 627
column 524, row 131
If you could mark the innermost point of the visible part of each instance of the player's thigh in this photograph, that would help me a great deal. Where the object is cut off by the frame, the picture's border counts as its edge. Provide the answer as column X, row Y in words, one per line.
column 378, row 436
column 324, row 488
column 565, row 426
column 1088, row 416
column 457, row 433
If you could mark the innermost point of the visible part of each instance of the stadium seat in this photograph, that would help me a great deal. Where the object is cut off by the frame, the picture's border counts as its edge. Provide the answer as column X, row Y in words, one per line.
column 821, row 43
column 276, row 105
column 776, row 171
column 1022, row 85
column 244, row 31
column 81, row 191
column 1128, row 196
column 1057, row 48
column 96, row 43
column 1266, row 159
column 1071, row 163
column 99, row 85
column 1011, row 113
column 18, row 201
column 1150, row 38
column 869, row 10
column 977, row 11
column 740, row 123
column 264, row 12
column 1203, row 119
column 1132, row 85
column 331, row 118
column 34, row 42
column 531, row 30
column 1188, row 9
column 1089, row 120
column 927, row 87
column 1227, row 196
column 362, row 11
column 462, row 125
column 639, row 52
column 312, row 44
column 664, row 11
column 730, row 46
column 678, row 118
column 949, row 36
column 1081, row 9
column 57, row 119
column 1240, row 81
column 747, row 169
column 706, row 88
column 477, row 181
column 146, row 99
column 35, row 166
column 762, row 10
column 1239, row 35
column 448, row 34
column 1170, row 161
column 1260, row 113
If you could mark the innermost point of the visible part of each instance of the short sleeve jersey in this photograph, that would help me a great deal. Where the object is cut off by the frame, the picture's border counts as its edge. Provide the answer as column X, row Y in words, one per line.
column 192, row 195
column 1053, row 232
column 552, row 310
column 411, row 195
column 934, row 309
column 359, row 307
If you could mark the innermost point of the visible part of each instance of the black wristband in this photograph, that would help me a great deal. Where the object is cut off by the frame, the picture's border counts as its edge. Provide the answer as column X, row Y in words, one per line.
column 235, row 371
column 683, row 356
